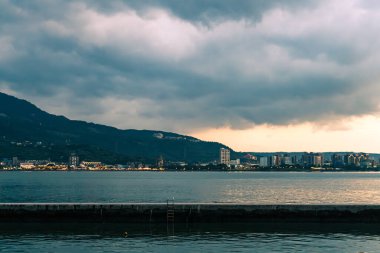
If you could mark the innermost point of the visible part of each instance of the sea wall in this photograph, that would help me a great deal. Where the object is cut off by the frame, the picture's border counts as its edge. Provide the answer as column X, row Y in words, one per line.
column 186, row 212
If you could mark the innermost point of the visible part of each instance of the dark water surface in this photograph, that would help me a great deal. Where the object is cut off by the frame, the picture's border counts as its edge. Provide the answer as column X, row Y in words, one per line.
column 183, row 238
column 248, row 187
column 239, row 187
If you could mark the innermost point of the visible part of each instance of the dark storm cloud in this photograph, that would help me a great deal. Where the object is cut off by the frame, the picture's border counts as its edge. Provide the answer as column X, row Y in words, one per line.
column 215, row 10
column 179, row 65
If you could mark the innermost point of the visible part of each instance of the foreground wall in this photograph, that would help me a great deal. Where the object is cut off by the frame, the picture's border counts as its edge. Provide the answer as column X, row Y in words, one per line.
column 186, row 212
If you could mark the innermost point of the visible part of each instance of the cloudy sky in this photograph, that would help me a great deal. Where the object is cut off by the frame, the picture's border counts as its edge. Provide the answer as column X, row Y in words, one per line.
column 260, row 75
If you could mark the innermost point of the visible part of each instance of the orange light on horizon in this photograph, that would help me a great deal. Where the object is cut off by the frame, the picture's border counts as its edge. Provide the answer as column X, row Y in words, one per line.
column 358, row 134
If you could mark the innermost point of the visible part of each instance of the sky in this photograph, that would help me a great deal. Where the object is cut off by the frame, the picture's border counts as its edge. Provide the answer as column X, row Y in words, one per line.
column 262, row 75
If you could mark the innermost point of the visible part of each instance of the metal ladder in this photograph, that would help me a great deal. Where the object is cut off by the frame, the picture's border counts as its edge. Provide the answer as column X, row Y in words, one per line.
column 170, row 210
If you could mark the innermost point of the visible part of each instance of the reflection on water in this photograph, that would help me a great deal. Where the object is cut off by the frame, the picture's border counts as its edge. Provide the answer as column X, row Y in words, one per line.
column 190, row 187
column 290, row 237
column 243, row 187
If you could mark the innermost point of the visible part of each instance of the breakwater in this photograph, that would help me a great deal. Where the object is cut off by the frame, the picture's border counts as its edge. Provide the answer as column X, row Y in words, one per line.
column 186, row 212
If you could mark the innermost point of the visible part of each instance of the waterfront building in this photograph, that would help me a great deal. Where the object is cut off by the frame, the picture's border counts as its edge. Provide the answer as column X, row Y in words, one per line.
column 263, row 162
column 307, row 159
column 337, row 160
column 286, row 160
column 15, row 161
column 235, row 162
column 317, row 160
column 366, row 163
column 91, row 165
column 312, row 159
column 274, row 160
column 350, row 159
column 294, row 160
column 27, row 166
column 160, row 162
column 353, row 159
column 225, row 156
column 362, row 157
column 73, row 160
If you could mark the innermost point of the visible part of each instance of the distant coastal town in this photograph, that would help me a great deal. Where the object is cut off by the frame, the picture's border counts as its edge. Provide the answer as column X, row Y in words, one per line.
column 307, row 161
column 32, row 139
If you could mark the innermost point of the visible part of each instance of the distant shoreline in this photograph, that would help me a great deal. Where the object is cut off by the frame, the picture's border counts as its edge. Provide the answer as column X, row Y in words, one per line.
column 225, row 171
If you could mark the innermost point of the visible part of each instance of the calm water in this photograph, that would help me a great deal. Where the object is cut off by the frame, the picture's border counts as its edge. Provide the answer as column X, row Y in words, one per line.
column 246, row 187
column 204, row 238
column 190, row 187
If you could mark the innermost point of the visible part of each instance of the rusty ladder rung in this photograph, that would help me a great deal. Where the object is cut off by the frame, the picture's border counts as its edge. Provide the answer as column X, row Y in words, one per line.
column 170, row 210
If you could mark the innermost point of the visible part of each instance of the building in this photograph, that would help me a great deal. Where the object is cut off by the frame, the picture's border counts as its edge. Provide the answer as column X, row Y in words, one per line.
column 160, row 162
column 274, row 160
column 317, row 160
column 295, row 160
column 337, row 160
column 225, row 156
column 312, row 159
column 350, row 159
column 27, row 166
column 15, row 161
column 73, row 160
column 235, row 162
column 263, row 161
column 307, row 159
column 366, row 164
column 286, row 160
column 90, row 164
column 361, row 158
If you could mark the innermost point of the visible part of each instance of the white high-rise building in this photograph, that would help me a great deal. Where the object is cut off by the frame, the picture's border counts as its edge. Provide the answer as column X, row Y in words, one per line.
column 225, row 156
column 264, row 161
column 73, row 160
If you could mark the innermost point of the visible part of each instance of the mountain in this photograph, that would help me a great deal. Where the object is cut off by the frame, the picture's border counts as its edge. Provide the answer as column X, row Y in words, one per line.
column 29, row 132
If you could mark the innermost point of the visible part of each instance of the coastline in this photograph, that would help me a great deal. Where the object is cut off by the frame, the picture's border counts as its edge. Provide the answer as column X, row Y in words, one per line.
column 226, row 171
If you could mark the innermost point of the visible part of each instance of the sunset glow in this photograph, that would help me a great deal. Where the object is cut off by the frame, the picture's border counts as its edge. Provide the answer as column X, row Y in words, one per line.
column 302, row 137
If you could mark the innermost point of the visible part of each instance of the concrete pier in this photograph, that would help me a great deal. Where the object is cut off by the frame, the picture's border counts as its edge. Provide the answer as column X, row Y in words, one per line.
column 185, row 212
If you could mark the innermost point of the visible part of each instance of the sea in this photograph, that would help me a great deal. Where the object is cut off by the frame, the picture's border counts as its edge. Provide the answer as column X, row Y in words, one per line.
column 199, row 187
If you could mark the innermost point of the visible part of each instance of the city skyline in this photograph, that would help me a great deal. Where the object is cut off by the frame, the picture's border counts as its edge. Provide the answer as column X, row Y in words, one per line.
column 254, row 75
